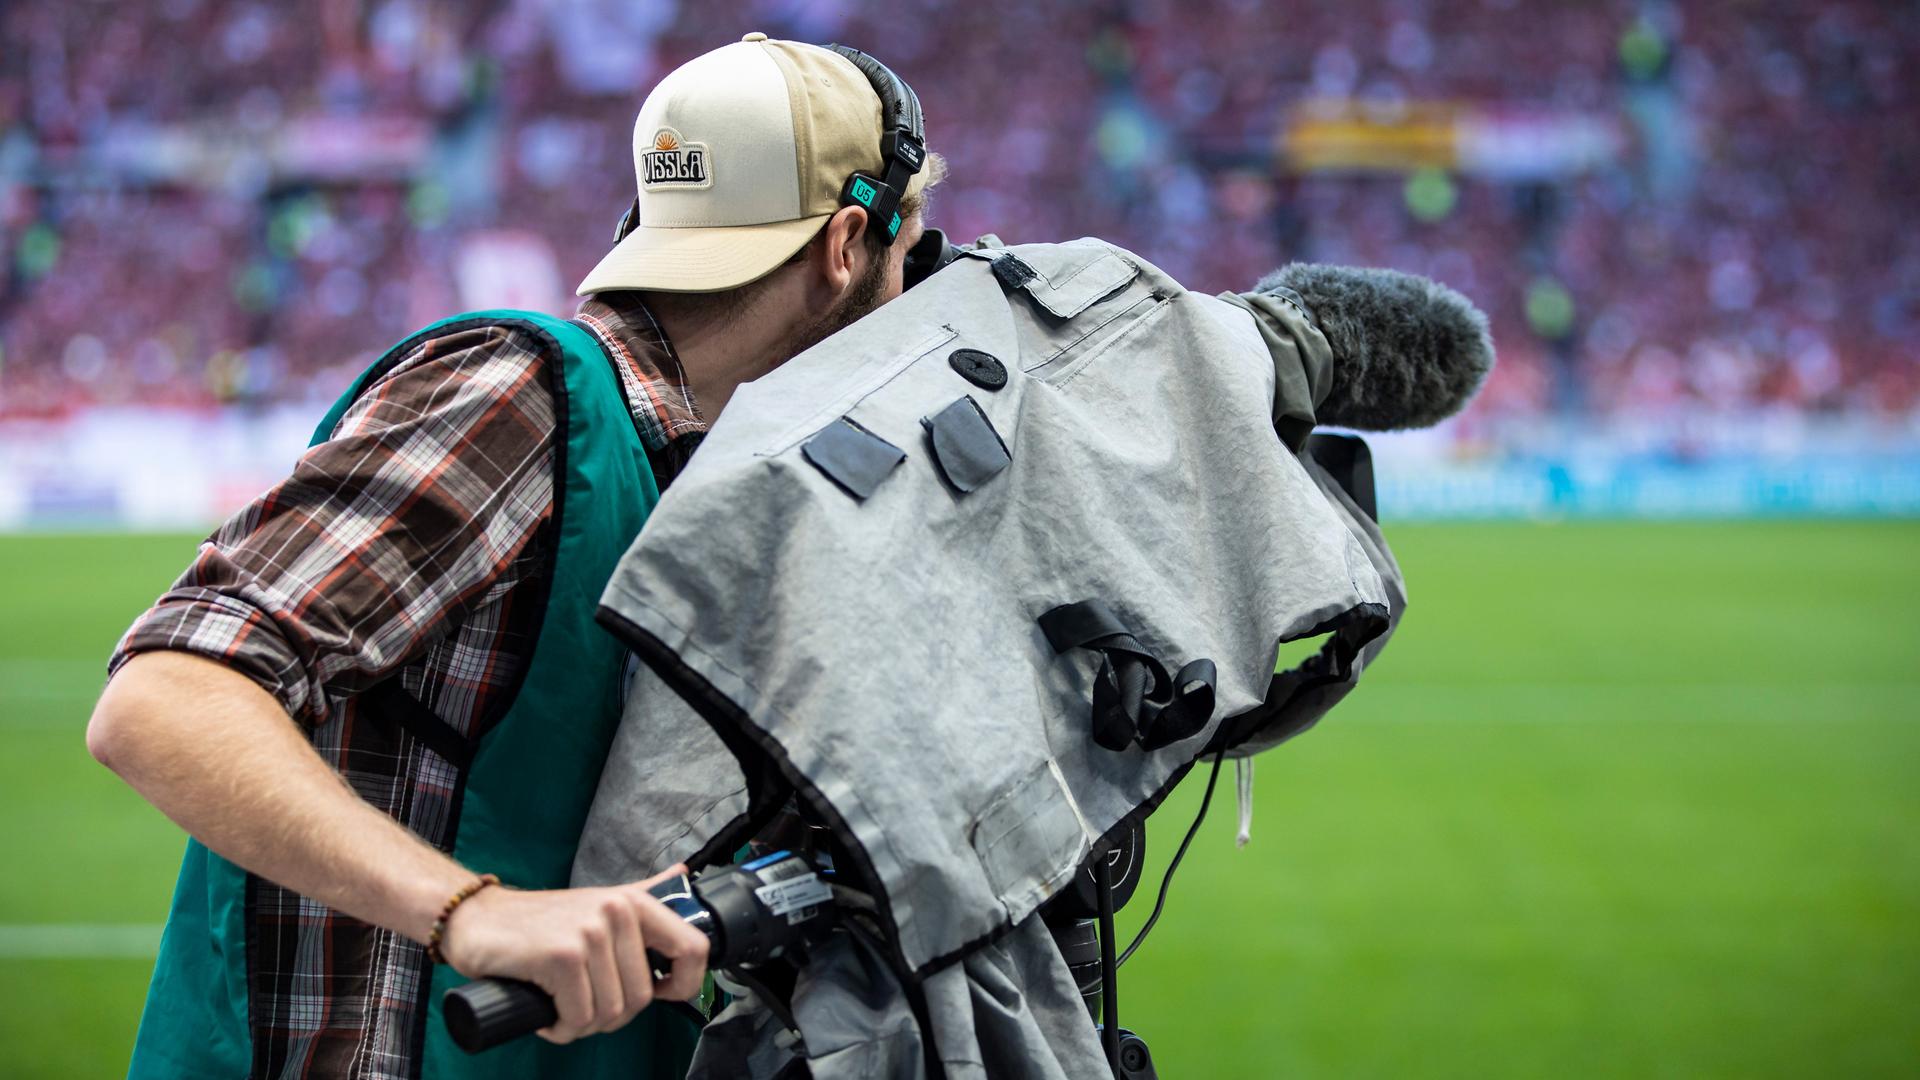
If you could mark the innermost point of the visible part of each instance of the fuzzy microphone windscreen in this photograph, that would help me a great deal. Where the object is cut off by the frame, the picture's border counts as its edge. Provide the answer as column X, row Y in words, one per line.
column 1408, row 351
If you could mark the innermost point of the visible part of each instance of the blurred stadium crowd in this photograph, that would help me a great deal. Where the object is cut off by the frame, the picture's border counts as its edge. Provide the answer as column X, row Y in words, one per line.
column 225, row 201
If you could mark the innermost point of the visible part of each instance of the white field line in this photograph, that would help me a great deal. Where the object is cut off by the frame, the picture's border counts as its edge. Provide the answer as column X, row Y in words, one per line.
column 69, row 676
column 46, row 693
column 40, row 682
column 16, row 669
column 50, row 679
column 1639, row 685
column 34, row 681
column 78, row 941
column 1648, row 702
column 1643, row 687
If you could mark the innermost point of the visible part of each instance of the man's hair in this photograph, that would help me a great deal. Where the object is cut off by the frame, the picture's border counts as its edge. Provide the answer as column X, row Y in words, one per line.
column 728, row 303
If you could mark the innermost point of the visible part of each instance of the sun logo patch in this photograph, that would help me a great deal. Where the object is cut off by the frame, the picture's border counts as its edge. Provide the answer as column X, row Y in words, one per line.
column 674, row 162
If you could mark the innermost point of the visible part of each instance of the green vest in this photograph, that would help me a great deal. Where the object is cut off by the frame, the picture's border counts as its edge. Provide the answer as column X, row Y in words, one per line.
column 523, row 795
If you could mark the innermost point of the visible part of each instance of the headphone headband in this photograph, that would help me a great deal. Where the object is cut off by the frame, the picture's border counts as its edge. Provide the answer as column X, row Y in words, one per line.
column 899, row 105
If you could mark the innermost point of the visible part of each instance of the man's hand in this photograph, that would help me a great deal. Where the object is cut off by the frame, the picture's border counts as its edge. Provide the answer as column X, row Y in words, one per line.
column 586, row 947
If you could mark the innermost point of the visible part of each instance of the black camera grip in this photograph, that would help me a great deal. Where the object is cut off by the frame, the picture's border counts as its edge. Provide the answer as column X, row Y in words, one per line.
column 484, row 1013
column 487, row 1012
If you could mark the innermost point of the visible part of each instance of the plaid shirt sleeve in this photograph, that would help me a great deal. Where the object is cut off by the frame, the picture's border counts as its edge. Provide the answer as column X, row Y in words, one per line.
column 426, row 504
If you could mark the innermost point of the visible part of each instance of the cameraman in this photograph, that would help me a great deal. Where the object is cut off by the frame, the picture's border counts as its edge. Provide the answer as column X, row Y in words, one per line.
column 375, row 682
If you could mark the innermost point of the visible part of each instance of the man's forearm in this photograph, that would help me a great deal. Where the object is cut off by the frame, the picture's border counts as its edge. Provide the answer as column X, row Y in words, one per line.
column 219, row 756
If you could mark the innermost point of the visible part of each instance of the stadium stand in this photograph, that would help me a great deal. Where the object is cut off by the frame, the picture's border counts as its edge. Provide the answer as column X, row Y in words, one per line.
column 207, row 202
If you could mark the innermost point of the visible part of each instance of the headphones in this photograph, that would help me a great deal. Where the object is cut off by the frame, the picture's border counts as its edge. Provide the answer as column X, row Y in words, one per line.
column 903, row 143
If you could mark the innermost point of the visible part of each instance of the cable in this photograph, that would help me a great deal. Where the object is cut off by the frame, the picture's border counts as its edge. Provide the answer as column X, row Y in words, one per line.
column 1109, row 969
column 1161, row 901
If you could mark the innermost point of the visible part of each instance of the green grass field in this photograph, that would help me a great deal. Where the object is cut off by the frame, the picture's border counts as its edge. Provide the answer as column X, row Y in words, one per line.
column 1621, row 800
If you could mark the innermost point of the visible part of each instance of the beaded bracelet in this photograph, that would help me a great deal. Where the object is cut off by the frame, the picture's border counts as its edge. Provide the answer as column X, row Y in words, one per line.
column 440, row 924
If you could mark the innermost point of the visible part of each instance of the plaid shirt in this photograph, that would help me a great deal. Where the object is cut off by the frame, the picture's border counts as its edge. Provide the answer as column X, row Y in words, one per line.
column 399, row 547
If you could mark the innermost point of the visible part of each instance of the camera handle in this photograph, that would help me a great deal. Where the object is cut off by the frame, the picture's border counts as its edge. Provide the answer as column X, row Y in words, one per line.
column 753, row 914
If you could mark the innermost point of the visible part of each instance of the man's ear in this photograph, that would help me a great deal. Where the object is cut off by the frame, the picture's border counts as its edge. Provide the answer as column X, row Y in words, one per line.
column 838, row 263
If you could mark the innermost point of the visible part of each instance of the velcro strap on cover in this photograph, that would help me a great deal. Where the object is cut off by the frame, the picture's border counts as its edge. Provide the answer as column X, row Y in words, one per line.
column 1133, row 700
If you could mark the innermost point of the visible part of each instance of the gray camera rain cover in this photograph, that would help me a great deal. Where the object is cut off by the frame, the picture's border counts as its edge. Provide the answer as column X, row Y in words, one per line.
column 848, row 581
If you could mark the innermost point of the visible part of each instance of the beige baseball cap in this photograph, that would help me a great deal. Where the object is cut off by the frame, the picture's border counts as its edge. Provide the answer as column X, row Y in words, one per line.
column 740, row 155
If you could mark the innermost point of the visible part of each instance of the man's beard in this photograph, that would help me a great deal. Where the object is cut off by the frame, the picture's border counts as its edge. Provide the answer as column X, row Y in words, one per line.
column 860, row 300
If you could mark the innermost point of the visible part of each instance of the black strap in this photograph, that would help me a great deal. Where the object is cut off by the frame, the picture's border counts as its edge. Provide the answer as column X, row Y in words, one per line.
column 1133, row 700
column 1323, row 672
column 390, row 699
column 1012, row 271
